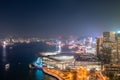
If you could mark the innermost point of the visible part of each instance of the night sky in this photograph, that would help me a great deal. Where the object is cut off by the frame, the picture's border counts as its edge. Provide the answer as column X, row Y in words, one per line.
column 52, row 18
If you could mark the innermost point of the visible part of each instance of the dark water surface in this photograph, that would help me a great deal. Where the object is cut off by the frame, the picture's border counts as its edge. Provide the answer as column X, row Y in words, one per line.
column 19, row 56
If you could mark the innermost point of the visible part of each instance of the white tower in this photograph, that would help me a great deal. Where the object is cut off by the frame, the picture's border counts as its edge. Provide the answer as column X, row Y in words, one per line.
column 58, row 46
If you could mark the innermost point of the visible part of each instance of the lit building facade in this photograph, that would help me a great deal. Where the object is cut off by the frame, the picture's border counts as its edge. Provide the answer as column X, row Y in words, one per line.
column 108, row 52
column 108, row 46
column 58, row 62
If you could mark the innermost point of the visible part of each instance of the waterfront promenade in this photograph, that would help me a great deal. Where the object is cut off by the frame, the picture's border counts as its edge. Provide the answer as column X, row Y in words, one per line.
column 75, row 74
column 51, row 72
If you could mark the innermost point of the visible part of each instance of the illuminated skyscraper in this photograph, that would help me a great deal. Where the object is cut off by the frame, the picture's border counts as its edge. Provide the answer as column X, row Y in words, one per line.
column 111, row 47
column 58, row 46
column 109, row 36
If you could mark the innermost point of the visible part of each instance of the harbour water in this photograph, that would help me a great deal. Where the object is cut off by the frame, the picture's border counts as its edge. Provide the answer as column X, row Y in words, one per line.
column 19, row 56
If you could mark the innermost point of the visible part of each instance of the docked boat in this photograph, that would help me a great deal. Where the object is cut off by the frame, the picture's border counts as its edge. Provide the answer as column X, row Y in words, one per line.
column 7, row 66
column 31, row 66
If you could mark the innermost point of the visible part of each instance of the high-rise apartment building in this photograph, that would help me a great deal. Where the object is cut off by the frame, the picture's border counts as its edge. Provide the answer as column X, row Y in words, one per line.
column 109, row 36
column 108, row 51
column 110, row 47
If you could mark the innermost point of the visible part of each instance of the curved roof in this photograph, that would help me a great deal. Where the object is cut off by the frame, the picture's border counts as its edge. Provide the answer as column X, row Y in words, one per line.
column 62, row 58
column 48, row 53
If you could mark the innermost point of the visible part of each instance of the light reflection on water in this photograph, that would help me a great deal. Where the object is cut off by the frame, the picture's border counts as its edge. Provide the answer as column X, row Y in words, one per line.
column 39, row 75
column 4, row 54
column 17, row 58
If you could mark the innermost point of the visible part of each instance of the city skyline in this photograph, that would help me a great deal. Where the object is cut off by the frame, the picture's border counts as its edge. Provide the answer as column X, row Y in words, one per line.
column 52, row 18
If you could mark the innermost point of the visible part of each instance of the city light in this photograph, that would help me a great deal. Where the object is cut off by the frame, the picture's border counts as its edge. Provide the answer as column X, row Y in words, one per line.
column 118, row 31
column 38, row 63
